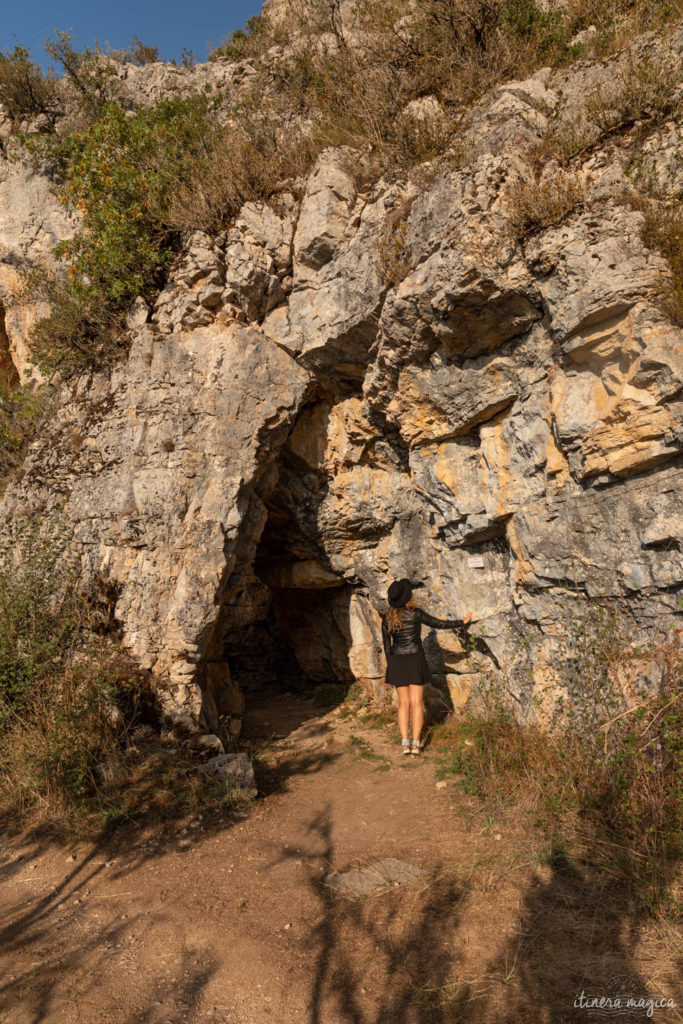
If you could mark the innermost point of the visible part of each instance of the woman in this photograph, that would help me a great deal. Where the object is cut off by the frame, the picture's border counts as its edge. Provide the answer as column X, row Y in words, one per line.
column 407, row 667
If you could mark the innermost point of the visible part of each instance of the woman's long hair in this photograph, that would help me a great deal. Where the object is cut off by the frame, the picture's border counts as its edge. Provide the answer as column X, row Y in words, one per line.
column 395, row 615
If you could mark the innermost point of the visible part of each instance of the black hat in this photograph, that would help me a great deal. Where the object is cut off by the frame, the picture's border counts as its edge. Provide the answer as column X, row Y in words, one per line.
column 399, row 592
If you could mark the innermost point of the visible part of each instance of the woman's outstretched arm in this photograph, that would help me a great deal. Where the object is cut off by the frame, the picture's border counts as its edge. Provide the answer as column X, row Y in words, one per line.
column 385, row 637
column 430, row 620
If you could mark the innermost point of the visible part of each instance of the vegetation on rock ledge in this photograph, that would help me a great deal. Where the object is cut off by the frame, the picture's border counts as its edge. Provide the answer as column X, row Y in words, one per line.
column 142, row 179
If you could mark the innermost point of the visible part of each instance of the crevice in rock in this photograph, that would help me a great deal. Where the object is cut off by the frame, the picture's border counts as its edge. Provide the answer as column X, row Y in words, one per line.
column 612, row 481
column 9, row 377
column 665, row 544
column 494, row 531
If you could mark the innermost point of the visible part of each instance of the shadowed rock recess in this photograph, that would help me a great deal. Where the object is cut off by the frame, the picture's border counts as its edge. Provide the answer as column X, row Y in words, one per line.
column 291, row 429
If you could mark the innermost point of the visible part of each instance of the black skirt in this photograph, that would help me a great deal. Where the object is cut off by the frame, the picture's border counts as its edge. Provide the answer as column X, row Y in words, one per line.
column 407, row 670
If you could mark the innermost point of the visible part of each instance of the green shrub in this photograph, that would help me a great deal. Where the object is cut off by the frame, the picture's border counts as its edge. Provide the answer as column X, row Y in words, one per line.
column 88, row 71
column 38, row 623
column 84, row 328
column 123, row 174
column 77, row 751
column 119, row 175
column 524, row 18
column 25, row 89
column 139, row 181
column 56, row 713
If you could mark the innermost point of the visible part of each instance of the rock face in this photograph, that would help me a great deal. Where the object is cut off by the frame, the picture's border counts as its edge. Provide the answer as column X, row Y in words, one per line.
column 165, row 466
column 31, row 224
column 294, row 427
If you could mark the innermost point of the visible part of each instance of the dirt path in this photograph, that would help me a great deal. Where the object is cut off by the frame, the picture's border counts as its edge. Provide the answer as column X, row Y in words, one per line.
column 231, row 922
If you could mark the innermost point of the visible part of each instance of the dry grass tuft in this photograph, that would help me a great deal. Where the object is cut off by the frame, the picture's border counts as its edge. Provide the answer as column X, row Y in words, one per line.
column 642, row 93
column 605, row 777
column 535, row 205
column 22, row 410
column 663, row 231
column 393, row 260
column 247, row 160
column 78, row 750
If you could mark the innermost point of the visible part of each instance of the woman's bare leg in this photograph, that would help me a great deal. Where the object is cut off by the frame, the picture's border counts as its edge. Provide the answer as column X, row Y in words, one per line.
column 403, row 710
column 415, row 699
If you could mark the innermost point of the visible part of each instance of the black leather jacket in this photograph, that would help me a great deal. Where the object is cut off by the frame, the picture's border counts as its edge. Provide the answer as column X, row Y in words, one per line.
column 408, row 639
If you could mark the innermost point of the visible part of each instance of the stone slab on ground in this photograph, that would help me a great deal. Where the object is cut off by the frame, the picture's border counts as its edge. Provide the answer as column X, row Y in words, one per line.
column 368, row 881
column 235, row 770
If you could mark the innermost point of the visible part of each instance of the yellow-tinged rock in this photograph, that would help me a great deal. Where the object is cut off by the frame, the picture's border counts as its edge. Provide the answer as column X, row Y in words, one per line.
column 459, row 687
column 308, row 574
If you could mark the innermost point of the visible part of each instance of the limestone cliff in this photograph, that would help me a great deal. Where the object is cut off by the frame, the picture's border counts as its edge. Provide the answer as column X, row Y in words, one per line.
column 355, row 383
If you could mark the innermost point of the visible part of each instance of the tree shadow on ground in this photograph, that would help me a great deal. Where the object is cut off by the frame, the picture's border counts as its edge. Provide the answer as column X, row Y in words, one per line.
column 41, row 992
column 354, row 943
column 54, row 927
column 575, row 938
column 397, row 958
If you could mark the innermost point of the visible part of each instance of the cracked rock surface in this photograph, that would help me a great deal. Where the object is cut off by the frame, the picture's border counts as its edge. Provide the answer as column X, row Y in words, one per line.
column 291, row 430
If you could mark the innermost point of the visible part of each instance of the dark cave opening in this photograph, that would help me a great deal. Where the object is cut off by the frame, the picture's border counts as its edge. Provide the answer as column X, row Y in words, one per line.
column 285, row 627
column 304, row 635
column 290, row 666
column 290, row 624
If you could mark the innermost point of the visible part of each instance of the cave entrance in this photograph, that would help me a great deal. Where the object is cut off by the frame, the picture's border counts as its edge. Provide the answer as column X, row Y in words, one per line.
column 303, row 670
column 312, row 628
column 289, row 624
column 292, row 661
column 286, row 637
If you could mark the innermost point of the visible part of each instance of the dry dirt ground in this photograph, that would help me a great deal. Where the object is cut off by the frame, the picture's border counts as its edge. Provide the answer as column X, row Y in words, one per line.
column 229, row 921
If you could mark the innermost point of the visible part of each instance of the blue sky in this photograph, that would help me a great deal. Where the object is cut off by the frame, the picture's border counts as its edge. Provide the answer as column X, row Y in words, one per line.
column 168, row 24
